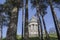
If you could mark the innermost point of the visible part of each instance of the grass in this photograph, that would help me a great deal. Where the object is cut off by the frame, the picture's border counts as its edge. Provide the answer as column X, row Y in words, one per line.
column 34, row 38
column 52, row 37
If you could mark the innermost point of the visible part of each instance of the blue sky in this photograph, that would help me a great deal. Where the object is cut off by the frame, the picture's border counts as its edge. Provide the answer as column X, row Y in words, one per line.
column 48, row 18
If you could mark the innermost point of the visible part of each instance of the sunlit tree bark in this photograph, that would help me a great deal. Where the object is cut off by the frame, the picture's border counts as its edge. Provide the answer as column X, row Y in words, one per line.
column 14, row 6
column 12, row 29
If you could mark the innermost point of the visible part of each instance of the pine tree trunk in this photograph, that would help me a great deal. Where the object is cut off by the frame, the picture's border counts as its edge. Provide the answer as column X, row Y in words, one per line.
column 22, row 18
column 39, row 23
column 26, row 34
column 12, row 29
column 1, row 27
column 0, row 32
column 41, row 30
column 59, row 26
column 55, row 20
column 47, row 35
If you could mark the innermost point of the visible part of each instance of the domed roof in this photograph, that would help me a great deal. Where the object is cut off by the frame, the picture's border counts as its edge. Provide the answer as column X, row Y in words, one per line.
column 33, row 19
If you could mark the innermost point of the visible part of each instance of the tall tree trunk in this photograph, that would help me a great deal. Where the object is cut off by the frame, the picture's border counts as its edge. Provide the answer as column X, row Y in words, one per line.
column 47, row 35
column 22, row 17
column 39, row 22
column 55, row 19
column 26, row 34
column 59, row 26
column 12, row 29
column 1, row 27
column 0, row 32
column 41, row 30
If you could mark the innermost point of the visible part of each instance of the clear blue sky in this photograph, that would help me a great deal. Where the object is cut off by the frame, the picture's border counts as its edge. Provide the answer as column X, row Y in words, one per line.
column 48, row 18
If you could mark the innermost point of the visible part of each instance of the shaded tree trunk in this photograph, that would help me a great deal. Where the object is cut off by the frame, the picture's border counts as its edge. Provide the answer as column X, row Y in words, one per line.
column 0, row 32
column 12, row 29
column 39, row 22
column 26, row 34
column 55, row 20
column 22, row 17
column 1, row 27
column 41, row 30
column 47, row 35
column 59, row 26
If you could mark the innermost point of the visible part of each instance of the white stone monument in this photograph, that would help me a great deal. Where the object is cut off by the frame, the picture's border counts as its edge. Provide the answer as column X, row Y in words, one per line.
column 33, row 27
